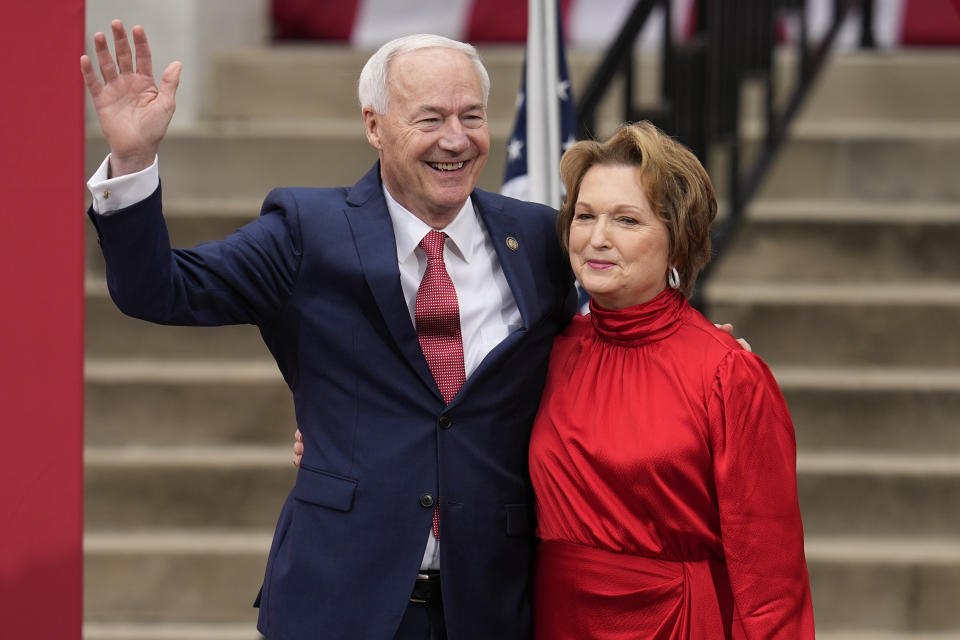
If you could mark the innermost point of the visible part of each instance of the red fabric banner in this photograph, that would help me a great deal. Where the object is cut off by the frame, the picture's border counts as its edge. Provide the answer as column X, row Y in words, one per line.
column 41, row 327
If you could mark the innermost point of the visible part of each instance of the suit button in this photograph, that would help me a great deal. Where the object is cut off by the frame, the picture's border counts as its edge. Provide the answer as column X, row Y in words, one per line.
column 426, row 500
column 445, row 422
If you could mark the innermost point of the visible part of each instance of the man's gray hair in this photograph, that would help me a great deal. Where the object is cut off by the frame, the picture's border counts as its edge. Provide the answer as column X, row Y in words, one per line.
column 372, row 87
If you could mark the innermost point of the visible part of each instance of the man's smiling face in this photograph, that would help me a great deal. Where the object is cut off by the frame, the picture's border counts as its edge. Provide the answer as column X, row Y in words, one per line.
column 433, row 140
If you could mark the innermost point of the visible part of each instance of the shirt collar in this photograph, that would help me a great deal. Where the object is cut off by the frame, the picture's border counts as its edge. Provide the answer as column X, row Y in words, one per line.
column 408, row 229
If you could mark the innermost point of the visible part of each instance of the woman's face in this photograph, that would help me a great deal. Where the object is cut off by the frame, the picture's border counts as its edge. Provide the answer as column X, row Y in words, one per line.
column 618, row 247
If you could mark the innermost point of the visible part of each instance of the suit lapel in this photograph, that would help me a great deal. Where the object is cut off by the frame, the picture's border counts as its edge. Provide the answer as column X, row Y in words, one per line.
column 373, row 234
column 513, row 251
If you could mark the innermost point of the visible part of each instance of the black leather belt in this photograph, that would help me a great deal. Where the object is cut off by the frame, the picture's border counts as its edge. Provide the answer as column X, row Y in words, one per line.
column 426, row 590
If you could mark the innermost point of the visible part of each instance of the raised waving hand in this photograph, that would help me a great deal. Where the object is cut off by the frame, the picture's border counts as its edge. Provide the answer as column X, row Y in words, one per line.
column 134, row 112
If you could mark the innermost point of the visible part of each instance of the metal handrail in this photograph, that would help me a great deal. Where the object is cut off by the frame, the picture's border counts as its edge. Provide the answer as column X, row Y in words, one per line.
column 699, row 100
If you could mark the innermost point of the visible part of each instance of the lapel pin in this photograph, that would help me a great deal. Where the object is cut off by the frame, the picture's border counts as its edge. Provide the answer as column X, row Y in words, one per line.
column 512, row 243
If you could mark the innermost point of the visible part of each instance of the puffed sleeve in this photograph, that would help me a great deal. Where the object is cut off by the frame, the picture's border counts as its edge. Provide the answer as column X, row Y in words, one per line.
column 754, row 467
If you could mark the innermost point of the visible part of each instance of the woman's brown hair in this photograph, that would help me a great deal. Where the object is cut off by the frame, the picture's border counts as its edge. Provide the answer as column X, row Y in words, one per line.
column 674, row 181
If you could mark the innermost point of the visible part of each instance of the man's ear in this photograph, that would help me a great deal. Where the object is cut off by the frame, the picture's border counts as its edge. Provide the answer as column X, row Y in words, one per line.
column 371, row 123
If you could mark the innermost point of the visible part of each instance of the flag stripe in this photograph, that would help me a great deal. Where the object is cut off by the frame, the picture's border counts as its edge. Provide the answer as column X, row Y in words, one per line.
column 589, row 23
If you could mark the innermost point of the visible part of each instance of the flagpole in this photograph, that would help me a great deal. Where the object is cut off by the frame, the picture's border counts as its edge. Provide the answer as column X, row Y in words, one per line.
column 543, row 110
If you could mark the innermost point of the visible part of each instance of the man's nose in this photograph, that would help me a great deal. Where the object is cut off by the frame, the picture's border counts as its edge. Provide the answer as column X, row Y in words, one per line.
column 453, row 138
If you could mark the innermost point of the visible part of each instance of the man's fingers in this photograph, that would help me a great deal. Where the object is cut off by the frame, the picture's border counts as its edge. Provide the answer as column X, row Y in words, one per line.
column 746, row 345
column 90, row 77
column 298, row 436
column 107, row 67
column 725, row 327
column 142, row 48
column 170, row 80
column 121, row 47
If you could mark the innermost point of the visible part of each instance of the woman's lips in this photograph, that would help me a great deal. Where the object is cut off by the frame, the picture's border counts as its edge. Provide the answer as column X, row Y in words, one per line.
column 599, row 264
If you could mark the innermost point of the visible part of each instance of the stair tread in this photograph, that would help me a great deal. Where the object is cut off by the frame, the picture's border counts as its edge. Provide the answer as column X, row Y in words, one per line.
column 898, row 550
column 880, row 463
column 839, row 293
column 869, row 378
column 228, row 456
column 93, row 630
column 840, row 211
column 192, row 371
column 183, row 541
column 231, row 541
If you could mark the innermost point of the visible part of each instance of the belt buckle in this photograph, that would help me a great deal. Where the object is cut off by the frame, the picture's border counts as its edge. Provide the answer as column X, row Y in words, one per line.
column 425, row 577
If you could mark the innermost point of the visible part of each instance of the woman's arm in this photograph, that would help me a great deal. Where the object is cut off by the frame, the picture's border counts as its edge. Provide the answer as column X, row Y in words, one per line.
column 754, row 464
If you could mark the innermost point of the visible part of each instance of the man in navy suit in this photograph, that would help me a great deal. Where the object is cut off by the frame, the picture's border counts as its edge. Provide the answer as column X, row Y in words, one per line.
column 331, row 278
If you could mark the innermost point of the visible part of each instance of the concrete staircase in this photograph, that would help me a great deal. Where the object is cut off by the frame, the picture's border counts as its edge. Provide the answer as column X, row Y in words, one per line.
column 845, row 280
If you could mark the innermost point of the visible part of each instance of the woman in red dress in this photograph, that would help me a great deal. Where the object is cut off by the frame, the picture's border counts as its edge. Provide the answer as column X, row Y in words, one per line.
column 663, row 455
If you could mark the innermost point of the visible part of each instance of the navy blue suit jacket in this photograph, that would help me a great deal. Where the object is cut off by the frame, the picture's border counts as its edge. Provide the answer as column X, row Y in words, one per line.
column 317, row 273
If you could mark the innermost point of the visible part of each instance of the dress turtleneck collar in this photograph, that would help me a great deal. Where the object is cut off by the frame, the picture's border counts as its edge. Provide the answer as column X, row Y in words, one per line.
column 647, row 322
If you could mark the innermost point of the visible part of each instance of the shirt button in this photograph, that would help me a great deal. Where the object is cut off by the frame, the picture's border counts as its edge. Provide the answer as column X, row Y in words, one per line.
column 445, row 422
column 426, row 501
column 106, row 193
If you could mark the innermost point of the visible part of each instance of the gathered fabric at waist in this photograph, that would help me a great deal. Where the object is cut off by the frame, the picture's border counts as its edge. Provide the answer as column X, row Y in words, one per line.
column 586, row 592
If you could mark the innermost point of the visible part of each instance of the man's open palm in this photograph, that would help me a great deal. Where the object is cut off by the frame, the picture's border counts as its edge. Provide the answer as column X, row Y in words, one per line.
column 133, row 111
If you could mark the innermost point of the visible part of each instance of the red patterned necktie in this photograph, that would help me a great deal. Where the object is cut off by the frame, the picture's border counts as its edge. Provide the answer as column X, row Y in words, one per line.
column 437, row 315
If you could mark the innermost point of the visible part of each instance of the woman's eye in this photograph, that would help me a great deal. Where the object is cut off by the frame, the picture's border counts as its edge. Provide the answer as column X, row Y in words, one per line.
column 582, row 216
column 627, row 220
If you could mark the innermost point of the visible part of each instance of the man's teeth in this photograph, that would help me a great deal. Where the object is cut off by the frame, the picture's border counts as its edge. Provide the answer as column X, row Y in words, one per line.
column 446, row 166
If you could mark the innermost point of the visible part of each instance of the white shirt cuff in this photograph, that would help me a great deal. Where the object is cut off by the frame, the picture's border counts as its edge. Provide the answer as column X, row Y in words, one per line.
column 113, row 194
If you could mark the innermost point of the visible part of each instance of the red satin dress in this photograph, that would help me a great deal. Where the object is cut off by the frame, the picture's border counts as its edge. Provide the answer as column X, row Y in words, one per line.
column 664, row 464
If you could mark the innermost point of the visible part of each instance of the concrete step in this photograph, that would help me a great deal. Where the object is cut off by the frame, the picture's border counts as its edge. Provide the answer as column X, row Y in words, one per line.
column 189, row 222
column 873, row 409
column 268, row 83
column 878, row 587
column 861, row 585
column 904, row 85
column 187, row 577
column 887, row 635
column 874, row 161
column 190, row 402
column 843, row 324
column 128, row 631
column 822, row 240
column 110, row 333
column 151, row 402
column 867, row 160
column 248, row 159
column 879, row 494
column 811, row 324
column 786, row 240
column 169, row 631
column 154, row 488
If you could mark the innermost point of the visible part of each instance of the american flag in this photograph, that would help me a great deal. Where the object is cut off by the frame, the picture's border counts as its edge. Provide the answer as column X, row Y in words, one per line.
column 544, row 124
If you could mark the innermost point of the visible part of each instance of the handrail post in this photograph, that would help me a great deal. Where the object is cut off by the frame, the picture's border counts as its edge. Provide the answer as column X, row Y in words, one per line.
column 867, row 40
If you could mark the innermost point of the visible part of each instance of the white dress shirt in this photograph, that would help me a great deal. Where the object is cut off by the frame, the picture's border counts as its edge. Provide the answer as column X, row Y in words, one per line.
column 488, row 310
